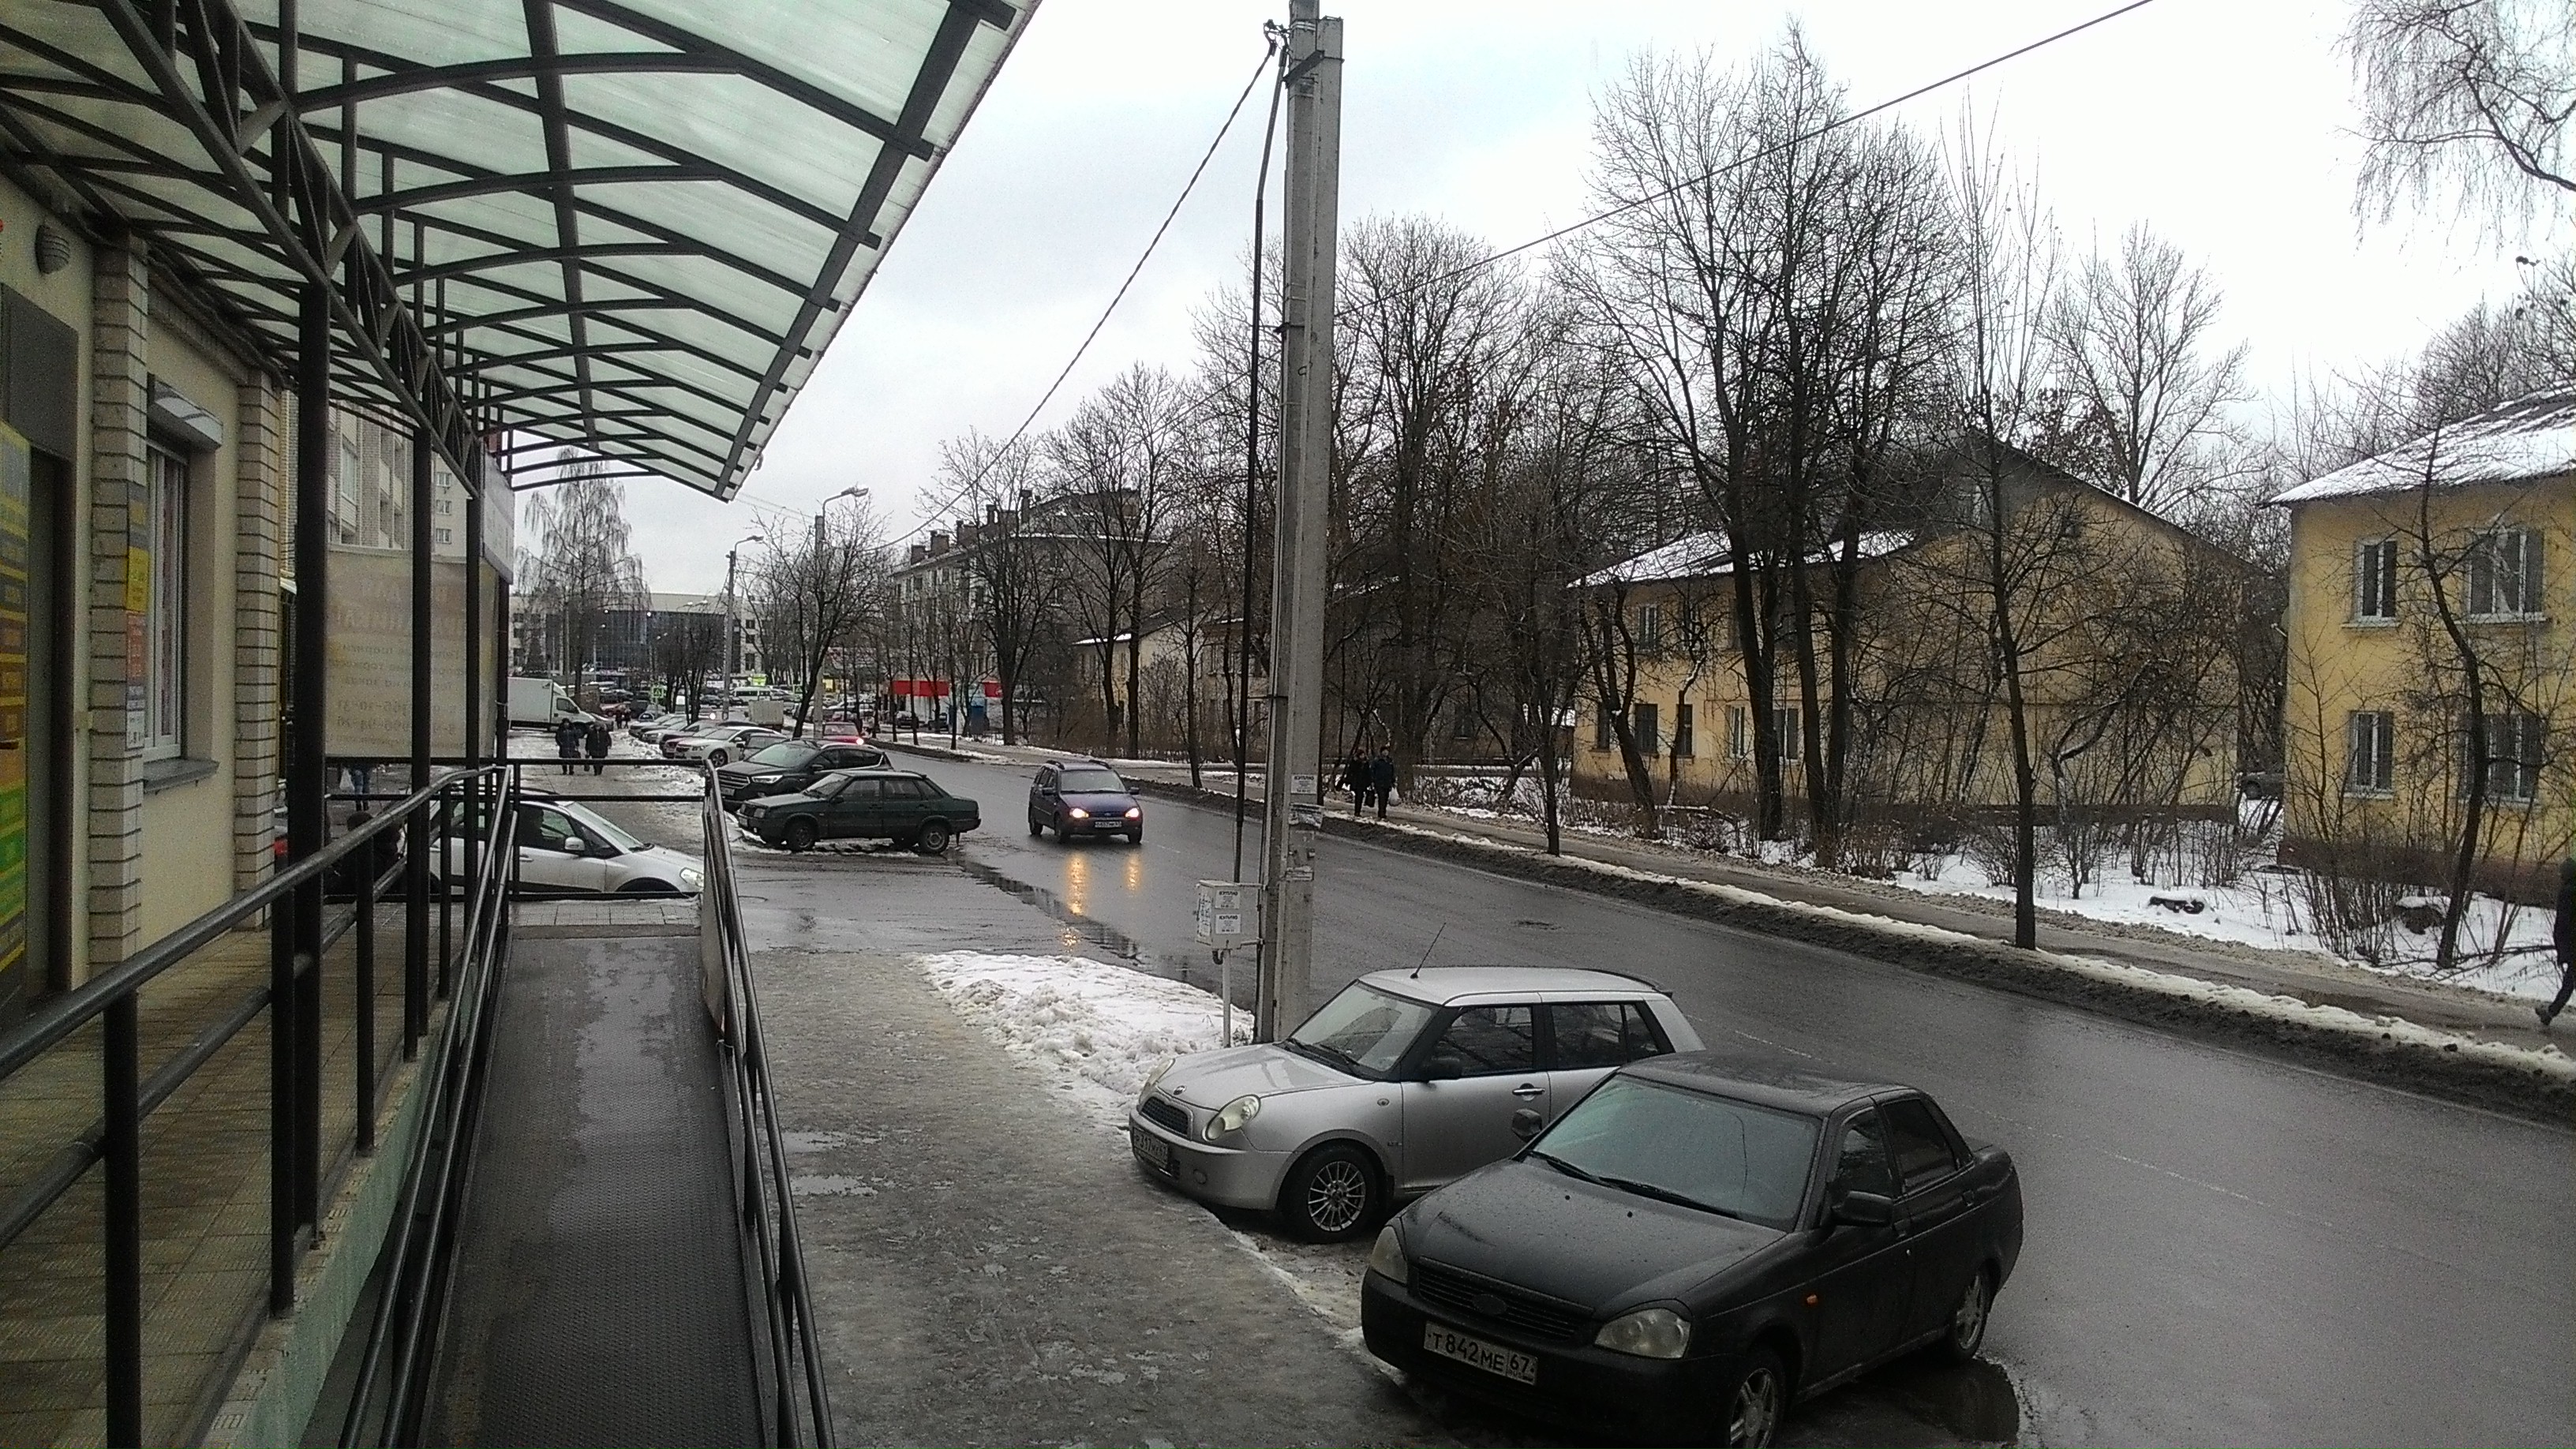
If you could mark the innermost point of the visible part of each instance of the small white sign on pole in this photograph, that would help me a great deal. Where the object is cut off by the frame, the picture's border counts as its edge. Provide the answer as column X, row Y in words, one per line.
column 1228, row 915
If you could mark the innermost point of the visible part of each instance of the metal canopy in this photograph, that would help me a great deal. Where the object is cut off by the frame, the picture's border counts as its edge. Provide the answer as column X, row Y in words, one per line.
column 629, row 227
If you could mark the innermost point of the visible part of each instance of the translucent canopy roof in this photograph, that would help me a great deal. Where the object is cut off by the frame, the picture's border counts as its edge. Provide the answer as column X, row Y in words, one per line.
column 625, row 226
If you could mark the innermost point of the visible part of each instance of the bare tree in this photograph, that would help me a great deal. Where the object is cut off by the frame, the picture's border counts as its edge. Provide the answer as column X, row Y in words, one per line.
column 577, row 563
column 2146, row 387
column 1118, row 462
column 2466, row 100
column 813, row 595
column 1007, row 568
column 687, row 648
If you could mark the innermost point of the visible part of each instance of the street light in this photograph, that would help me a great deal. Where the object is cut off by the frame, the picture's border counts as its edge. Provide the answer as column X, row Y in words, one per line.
column 824, row 508
column 732, row 646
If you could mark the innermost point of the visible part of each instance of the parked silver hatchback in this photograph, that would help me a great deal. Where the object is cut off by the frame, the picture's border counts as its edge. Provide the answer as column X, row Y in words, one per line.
column 1402, row 1082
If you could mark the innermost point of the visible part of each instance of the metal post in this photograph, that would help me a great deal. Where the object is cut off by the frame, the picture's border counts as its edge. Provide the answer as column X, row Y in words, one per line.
column 307, row 806
column 730, row 649
column 364, row 1000
column 1292, row 800
column 477, row 820
column 122, row 1146
column 417, row 844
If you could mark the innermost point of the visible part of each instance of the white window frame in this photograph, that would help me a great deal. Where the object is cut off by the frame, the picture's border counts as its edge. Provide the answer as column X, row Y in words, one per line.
column 1685, row 730
column 1650, row 627
column 1739, row 732
column 2374, row 581
column 1784, row 723
column 2516, row 745
column 2504, row 574
column 2370, row 753
column 158, row 730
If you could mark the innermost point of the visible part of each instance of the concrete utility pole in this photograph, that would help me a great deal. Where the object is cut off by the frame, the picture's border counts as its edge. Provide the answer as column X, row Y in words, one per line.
column 730, row 628
column 1292, row 799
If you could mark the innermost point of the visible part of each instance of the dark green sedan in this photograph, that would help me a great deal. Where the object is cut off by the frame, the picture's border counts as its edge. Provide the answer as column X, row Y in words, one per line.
column 895, row 805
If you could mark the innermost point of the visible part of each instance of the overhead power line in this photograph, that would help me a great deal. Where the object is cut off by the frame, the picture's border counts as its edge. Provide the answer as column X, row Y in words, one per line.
column 1774, row 149
column 1271, row 49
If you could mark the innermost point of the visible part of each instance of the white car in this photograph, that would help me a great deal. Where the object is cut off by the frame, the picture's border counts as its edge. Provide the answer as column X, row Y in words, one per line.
column 1404, row 1081
column 720, row 745
column 565, row 849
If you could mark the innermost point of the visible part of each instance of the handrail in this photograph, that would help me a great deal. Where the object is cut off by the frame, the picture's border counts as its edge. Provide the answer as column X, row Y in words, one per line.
column 82, row 1004
column 291, row 997
column 762, row 1192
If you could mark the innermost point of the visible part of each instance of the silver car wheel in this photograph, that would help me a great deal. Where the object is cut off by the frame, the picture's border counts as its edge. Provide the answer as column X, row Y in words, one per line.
column 1754, row 1414
column 1337, row 1196
column 1968, row 1320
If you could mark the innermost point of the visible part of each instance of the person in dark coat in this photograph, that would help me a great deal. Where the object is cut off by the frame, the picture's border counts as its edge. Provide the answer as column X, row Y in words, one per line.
column 569, row 733
column 1355, row 778
column 2563, row 935
column 1382, row 779
column 595, row 740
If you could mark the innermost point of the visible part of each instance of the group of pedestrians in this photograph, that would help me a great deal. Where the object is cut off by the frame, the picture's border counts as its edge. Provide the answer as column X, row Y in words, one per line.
column 1369, row 780
column 575, row 738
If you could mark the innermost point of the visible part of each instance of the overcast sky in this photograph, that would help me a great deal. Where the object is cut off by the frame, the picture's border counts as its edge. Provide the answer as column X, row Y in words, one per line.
column 2223, row 125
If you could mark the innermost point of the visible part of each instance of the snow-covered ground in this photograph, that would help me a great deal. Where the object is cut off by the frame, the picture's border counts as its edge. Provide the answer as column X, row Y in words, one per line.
column 1096, row 1028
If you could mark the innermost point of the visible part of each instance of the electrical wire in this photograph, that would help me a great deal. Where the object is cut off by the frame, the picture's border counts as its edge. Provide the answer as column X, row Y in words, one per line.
column 1774, row 149
column 1269, row 51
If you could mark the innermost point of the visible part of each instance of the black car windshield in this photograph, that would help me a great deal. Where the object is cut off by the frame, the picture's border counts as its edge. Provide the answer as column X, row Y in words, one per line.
column 1091, row 782
column 1664, row 1142
column 1363, row 1028
column 788, row 755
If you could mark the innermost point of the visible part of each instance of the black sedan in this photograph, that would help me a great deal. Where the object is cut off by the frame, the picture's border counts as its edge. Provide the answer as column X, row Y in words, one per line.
column 896, row 805
column 1081, row 798
column 1694, row 1246
column 791, row 765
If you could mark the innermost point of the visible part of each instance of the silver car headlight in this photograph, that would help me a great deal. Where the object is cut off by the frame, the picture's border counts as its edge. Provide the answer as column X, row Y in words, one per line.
column 1231, row 1117
column 1154, row 1076
column 1647, row 1333
column 1386, row 1259
column 690, row 879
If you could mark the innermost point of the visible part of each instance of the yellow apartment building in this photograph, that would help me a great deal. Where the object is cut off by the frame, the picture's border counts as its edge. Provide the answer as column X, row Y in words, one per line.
column 2126, row 620
column 2431, row 597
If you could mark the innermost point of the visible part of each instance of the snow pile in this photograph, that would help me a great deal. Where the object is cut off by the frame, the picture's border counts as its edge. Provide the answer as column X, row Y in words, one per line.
column 2549, row 1061
column 1097, row 1028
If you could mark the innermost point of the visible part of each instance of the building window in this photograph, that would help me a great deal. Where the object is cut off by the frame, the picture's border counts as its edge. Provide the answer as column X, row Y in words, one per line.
column 1462, row 722
column 1683, row 731
column 2514, row 741
column 2504, row 574
column 2370, row 752
column 344, row 488
column 1644, row 722
column 1739, row 733
column 1784, row 723
column 157, row 596
column 2374, row 580
column 1602, row 730
column 1650, row 627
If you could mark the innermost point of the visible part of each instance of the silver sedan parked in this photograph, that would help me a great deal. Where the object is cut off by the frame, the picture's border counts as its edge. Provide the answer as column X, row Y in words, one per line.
column 1402, row 1082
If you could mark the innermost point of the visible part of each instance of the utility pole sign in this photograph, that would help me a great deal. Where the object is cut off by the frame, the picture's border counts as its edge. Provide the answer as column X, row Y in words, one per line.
column 1293, row 816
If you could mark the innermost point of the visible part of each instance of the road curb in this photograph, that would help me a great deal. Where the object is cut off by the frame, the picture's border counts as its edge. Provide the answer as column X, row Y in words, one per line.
column 2389, row 1051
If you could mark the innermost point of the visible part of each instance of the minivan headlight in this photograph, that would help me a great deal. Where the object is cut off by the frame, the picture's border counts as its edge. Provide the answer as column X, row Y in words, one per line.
column 1078, row 813
column 1386, row 1258
column 1647, row 1333
column 1232, row 1116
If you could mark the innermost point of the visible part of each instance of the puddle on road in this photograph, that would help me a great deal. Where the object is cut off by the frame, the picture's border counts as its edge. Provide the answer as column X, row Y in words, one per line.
column 1189, row 972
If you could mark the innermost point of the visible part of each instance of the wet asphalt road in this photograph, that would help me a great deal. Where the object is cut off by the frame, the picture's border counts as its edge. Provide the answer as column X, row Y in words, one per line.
column 2221, row 1248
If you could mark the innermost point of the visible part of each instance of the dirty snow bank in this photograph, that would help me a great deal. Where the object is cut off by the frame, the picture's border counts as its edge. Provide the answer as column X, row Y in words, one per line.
column 2547, row 1061
column 1097, row 1029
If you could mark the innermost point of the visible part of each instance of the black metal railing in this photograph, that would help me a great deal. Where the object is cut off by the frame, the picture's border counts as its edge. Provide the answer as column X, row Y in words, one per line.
column 797, row 1407
column 358, row 870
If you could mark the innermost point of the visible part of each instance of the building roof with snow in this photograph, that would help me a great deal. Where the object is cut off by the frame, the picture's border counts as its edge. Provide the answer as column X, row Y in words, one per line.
column 1703, row 555
column 2525, row 440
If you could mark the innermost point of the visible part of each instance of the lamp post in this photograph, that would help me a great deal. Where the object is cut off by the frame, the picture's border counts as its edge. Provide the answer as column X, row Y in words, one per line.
column 822, row 537
column 731, row 637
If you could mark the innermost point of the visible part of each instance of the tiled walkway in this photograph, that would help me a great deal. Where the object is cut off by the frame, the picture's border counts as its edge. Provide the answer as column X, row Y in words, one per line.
column 205, row 1193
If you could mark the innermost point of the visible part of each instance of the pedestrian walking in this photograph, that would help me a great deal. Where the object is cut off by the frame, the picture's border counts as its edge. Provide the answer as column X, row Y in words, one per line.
column 1382, row 779
column 1355, row 778
column 596, row 741
column 2563, row 935
column 569, row 734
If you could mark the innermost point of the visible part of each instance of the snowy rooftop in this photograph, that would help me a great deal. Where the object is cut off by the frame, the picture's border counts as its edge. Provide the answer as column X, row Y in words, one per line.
column 2528, row 438
column 1703, row 555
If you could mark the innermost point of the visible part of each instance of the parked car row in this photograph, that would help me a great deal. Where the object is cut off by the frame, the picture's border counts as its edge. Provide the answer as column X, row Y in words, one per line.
column 1610, row 1227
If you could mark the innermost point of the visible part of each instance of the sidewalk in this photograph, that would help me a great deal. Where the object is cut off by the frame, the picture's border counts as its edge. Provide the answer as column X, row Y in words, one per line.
column 2316, row 980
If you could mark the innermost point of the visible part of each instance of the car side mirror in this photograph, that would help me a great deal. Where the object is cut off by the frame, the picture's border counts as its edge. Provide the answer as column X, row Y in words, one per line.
column 1525, row 1123
column 1443, row 1069
column 1861, row 1210
column 575, row 845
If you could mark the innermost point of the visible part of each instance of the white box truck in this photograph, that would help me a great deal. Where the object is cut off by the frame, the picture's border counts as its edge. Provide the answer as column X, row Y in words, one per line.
column 538, row 704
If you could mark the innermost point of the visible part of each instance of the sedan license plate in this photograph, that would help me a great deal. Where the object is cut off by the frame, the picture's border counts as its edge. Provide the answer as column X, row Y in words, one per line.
column 1151, row 1150
column 1475, row 1352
